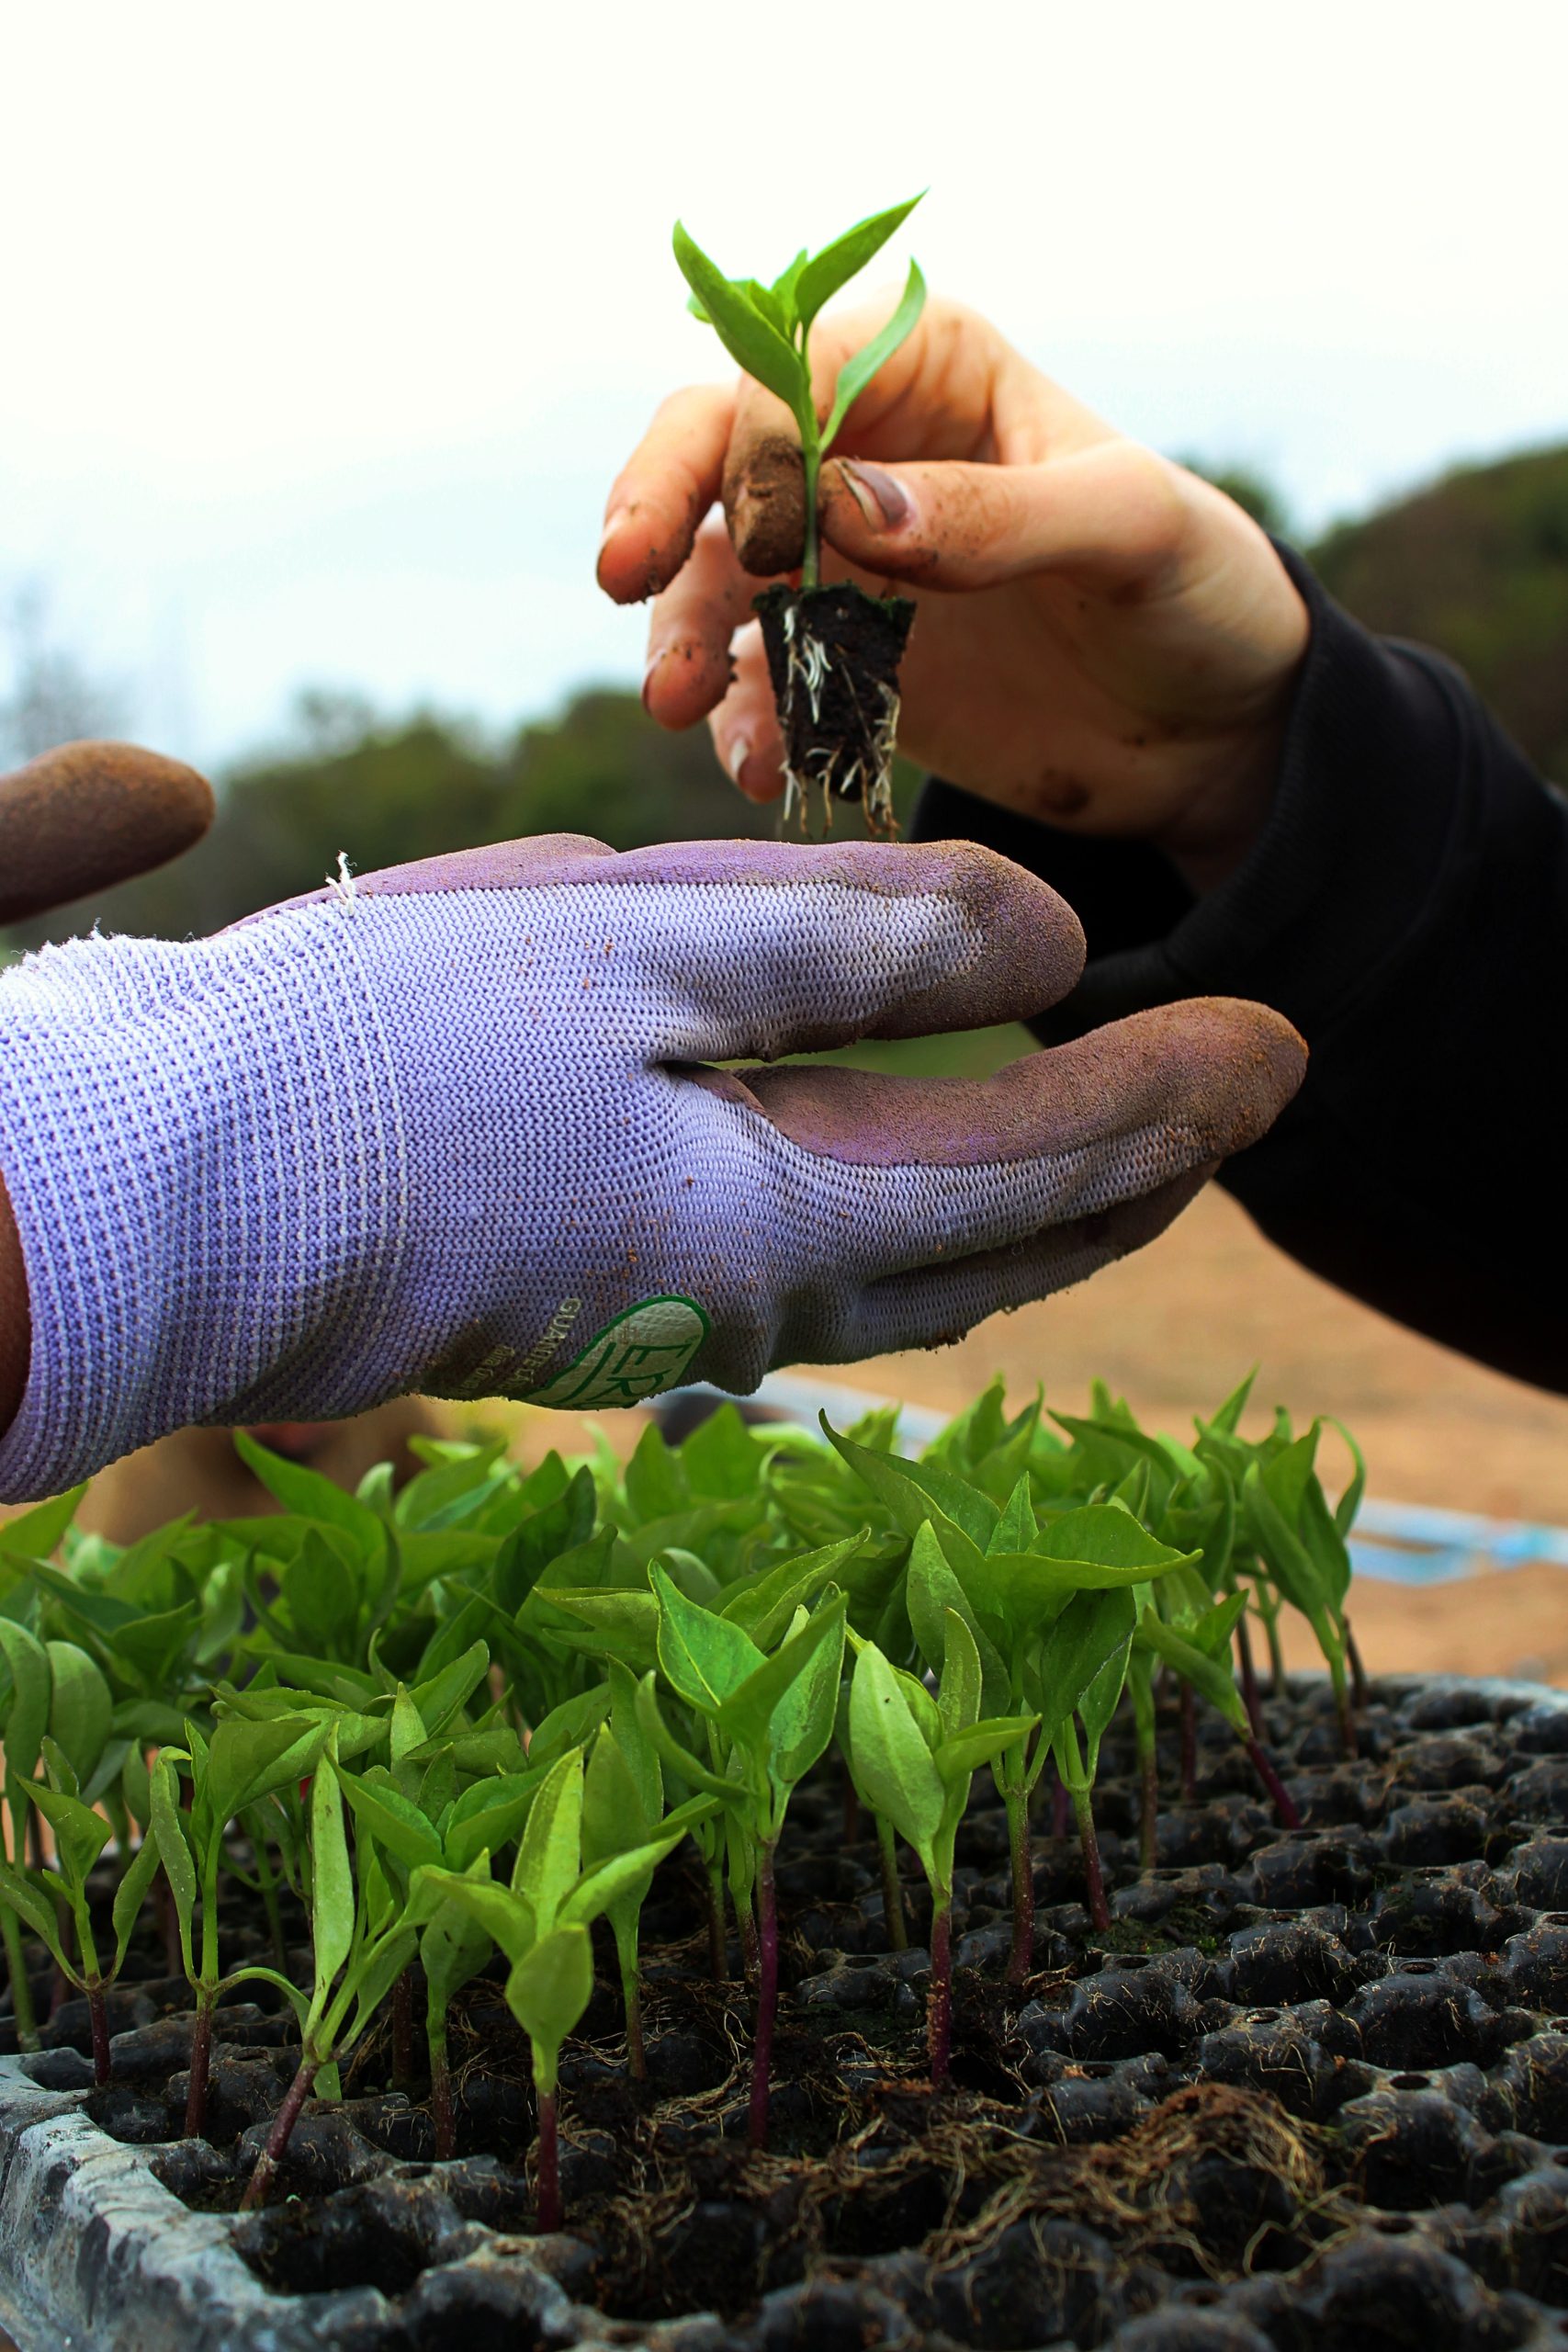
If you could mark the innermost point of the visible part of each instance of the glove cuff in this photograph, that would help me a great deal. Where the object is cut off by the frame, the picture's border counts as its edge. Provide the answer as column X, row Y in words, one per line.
column 203, row 1149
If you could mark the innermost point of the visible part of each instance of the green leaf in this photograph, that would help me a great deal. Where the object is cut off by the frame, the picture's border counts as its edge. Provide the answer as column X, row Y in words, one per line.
column 81, row 1711
column 35, row 1534
column 32, row 1685
column 1090, row 1630
column 80, row 1834
column 916, row 1491
column 33, row 1907
column 626, row 1624
column 506, row 1916
column 331, row 1877
column 572, row 1724
column 656, row 1483
column 931, row 1590
column 613, row 1815
column 453, row 1949
column 550, row 1988
column 751, row 340
column 550, row 1856
column 764, row 1605
column 310, row 1496
column 958, row 1697
column 246, row 1762
column 488, row 1816
column 637, row 1752
column 130, row 1894
column 821, row 278
column 174, row 1850
column 679, row 1759
column 746, row 1716
column 445, row 1694
column 1205, row 1674
column 384, row 1814
column 1100, row 1701
column 1017, row 1527
column 956, row 1758
column 704, row 1658
column 894, row 1767
column 380, row 1968
column 857, row 373
column 620, row 1875
column 802, row 1724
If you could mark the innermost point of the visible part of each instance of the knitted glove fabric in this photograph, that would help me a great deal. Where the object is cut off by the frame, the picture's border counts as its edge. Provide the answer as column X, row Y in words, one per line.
column 448, row 1127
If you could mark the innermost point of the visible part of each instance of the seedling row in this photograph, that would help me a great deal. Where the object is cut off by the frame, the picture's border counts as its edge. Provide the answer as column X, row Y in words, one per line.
column 461, row 1723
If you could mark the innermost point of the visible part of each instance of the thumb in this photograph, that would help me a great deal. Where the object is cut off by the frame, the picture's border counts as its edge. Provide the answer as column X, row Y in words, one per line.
column 88, row 815
column 1109, row 514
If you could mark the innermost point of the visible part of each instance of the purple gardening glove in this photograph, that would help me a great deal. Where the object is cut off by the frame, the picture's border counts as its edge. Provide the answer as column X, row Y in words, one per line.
column 446, row 1128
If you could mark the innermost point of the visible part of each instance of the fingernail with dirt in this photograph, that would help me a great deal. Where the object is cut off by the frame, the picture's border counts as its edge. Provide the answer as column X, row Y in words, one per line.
column 649, row 675
column 884, row 503
column 739, row 753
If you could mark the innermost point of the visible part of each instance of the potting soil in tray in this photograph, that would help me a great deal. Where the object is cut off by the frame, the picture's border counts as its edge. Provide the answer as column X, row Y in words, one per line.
column 1311, row 2090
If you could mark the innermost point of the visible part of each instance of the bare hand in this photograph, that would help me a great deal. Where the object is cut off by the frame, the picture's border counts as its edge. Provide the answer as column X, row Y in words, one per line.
column 1104, row 642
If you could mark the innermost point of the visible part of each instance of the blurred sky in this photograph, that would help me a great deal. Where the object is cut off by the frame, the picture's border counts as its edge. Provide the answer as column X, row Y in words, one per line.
column 327, row 327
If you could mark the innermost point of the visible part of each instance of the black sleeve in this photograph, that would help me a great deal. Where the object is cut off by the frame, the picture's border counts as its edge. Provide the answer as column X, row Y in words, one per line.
column 1406, row 906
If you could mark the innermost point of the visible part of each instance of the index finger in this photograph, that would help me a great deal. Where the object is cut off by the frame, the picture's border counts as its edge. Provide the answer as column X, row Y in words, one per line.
column 662, row 492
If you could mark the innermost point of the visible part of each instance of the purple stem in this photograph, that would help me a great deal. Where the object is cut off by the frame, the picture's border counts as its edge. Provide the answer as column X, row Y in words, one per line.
column 1189, row 1742
column 767, row 1998
column 441, row 2109
column 259, row 2185
column 549, row 2163
column 1360, row 1690
column 1094, row 1877
column 939, row 2000
column 1252, row 1697
column 200, row 2067
column 1279, row 1794
column 98, row 2011
column 1021, row 1959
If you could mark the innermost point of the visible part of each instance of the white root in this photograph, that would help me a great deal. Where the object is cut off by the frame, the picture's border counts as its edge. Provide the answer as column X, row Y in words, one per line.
column 834, row 775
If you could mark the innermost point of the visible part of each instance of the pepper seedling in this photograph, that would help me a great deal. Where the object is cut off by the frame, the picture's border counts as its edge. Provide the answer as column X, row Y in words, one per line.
column 540, row 1922
column 240, row 1765
column 362, row 1939
column 833, row 653
column 769, row 1719
column 914, row 1759
column 623, row 1809
column 1011, row 1575
column 80, row 1835
column 409, row 1810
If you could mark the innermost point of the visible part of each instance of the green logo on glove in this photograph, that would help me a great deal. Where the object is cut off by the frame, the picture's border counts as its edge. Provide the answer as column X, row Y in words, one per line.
column 643, row 1351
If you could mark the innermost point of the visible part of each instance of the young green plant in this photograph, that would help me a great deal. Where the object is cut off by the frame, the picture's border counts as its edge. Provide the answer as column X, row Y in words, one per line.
column 540, row 1922
column 833, row 652
column 362, row 1939
column 914, row 1759
column 769, row 1719
column 81, row 1834
column 231, row 1774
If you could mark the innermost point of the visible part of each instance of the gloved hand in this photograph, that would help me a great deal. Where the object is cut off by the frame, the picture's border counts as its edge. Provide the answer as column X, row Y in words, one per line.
column 447, row 1127
column 77, row 820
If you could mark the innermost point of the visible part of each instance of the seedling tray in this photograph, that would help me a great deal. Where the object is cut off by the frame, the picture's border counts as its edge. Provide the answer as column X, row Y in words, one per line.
column 1311, row 2090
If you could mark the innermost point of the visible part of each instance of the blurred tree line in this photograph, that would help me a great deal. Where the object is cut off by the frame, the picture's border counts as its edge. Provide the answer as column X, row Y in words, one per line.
column 1476, row 565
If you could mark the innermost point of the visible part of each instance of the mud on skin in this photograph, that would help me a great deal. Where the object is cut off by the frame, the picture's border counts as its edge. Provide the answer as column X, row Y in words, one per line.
column 1308, row 2090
